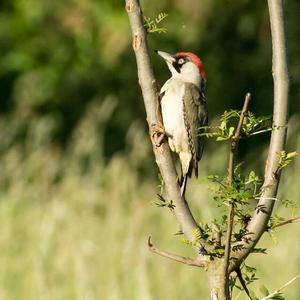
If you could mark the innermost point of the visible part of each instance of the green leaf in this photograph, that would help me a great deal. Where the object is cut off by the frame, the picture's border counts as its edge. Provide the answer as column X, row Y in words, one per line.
column 196, row 235
column 253, row 295
column 152, row 24
column 264, row 290
column 284, row 159
column 278, row 296
column 187, row 242
column 231, row 130
column 223, row 125
column 291, row 155
column 259, row 250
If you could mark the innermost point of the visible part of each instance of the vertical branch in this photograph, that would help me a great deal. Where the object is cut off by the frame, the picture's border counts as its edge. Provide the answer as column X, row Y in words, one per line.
column 262, row 214
column 231, row 165
column 150, row 93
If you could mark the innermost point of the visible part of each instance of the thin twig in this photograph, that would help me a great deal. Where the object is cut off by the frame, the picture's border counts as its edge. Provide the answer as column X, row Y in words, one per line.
column 182, row 259
column 236, row 138
column 238, row 131
column 285, row 222
column 281, row 288
column 260, row 131
column 242, row 281
column 231, row 166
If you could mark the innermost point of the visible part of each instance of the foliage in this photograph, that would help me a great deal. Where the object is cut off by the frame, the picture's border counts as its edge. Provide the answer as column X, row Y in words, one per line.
column 162, row 202
column 152, row 24
column 239, row 190
column 249, row 276
column 285, row 159
column 252, row 125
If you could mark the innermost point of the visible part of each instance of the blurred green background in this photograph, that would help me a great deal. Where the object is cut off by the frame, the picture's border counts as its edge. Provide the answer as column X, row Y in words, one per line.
column 78, row 178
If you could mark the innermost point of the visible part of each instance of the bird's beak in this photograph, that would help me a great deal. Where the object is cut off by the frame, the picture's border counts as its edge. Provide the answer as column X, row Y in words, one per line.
column 166, row 56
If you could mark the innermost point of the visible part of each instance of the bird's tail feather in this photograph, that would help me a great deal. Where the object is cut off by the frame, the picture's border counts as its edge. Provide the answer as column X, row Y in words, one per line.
column 185, row 173
column 183, row 185
column 193, row 167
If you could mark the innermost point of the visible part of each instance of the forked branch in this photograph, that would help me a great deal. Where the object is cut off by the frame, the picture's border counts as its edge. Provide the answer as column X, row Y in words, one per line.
column 289, row 221
column 182, row 259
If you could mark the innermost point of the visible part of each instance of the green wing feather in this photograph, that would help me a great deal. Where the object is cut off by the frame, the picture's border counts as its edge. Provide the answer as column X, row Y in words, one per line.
column 195, row 116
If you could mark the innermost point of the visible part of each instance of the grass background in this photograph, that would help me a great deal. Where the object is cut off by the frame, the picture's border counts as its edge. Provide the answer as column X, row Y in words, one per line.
column 77, row 175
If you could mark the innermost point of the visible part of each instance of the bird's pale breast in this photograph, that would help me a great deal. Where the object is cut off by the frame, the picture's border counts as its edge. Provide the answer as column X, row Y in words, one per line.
column 173, row 118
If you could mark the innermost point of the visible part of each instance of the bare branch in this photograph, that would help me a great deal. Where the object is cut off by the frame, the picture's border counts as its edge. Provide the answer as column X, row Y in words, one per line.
column 150, row 93
column 182, row 259
column 270, row 296
column 259, row 221
column 289, row 221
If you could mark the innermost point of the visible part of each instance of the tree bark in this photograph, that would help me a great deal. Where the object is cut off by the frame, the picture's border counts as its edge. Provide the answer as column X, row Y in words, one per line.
column 217, row 281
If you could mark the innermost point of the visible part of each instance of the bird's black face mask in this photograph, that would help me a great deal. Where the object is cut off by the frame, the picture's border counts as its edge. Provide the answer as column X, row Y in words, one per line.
column 180, row 61
column 176, row 66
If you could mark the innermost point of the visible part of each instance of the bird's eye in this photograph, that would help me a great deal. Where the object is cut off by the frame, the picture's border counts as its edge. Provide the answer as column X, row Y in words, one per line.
column 181, row 61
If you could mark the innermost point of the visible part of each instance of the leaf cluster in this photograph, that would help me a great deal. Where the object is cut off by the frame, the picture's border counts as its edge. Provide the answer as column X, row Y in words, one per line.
column 152, row 25
column 252, row 125
column 162, row 202
column 284, row 159
column 196, row 241
column 242, row 190
column 275, row 220
column 207, row 234
column 248, row 274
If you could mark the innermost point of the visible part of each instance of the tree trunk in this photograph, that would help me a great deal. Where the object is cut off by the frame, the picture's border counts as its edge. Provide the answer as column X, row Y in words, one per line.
column 217, row 281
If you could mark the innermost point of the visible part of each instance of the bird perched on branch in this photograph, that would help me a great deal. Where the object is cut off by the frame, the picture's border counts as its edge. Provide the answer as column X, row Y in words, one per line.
column 184, row 111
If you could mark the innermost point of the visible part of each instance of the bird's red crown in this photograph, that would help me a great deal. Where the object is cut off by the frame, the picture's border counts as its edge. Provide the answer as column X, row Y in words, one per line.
column 196, row 60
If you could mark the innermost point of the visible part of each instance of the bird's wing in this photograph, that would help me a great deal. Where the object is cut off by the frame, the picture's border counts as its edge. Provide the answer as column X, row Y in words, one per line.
column 203, row 118
column 195, row 116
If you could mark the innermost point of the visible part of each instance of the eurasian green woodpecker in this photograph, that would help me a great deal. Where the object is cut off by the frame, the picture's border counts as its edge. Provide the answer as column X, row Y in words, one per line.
column 184, row 110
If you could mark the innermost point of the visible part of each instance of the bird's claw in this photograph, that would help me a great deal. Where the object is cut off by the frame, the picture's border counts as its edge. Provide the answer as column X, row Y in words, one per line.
column 157, row 135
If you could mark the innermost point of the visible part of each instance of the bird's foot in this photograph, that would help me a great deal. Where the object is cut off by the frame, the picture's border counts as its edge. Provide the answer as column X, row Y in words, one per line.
column 157, row 135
